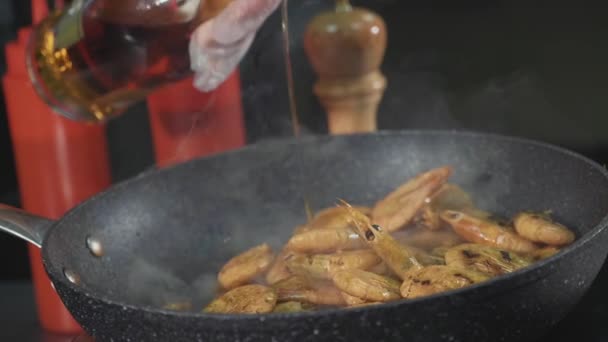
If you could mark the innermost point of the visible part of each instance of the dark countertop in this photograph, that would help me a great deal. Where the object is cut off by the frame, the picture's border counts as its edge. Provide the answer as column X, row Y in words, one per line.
column 588, row 322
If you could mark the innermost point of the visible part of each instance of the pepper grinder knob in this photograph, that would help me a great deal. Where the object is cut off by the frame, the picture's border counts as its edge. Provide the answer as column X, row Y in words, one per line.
column 345, row 48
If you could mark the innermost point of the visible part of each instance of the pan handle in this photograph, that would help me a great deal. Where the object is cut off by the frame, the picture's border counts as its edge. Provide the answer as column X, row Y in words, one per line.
column 24, row 225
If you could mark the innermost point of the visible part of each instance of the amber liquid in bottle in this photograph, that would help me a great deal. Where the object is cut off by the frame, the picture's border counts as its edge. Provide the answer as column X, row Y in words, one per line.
column 112, row 63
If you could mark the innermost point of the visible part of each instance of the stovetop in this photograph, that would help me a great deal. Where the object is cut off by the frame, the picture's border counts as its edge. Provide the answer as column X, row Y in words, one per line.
column 588, row 322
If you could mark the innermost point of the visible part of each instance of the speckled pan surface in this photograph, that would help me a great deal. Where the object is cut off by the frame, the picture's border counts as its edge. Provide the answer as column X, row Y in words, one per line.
column 164, row 231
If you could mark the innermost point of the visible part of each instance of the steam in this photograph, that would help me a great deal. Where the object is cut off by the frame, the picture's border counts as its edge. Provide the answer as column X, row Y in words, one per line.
column 204, row 287
column 149, row 284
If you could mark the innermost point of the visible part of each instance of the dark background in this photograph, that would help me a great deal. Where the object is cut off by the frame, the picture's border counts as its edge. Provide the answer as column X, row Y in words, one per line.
column 533, row 69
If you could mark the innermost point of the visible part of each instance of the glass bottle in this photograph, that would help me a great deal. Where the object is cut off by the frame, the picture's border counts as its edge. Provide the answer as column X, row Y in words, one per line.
column 94, row 59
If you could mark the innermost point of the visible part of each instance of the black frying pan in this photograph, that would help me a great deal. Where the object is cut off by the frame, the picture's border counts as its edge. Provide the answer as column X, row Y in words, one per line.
column 165, row 234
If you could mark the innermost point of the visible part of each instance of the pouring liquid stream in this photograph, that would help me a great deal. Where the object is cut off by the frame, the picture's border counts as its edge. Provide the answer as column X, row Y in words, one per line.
column 288, row 68
column 291, row 95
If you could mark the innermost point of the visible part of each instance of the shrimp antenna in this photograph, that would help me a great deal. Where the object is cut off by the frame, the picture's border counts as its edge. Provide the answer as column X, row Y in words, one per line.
column 345, row 203
column 355, row 215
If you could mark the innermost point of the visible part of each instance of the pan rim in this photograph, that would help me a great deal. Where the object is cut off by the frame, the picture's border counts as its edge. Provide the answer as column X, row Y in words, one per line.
column 518, row 278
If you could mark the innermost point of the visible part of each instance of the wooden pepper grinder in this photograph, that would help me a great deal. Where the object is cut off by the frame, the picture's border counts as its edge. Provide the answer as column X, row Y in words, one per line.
column 346, row 48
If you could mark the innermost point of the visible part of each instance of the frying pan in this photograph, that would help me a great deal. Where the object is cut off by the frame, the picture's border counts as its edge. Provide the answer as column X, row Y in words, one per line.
column 115, row 258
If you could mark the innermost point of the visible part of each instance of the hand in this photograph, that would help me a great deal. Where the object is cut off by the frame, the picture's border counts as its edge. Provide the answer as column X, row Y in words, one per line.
column 219, row 44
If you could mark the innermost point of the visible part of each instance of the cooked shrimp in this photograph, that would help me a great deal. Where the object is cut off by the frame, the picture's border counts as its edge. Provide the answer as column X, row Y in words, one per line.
column 245, row 266
column 291, row 307
column 536, row 228
column 325, row 240
column 485, row 232
column 290, row 289
column 332, row 217
column 451, row 196
column 367, row 286
column 326, row 294
column 440, row 252
column 399, row 207
column 435, row 279
column 303, row 289
column 381, row 269
column 544, row 253
column 425, row 258
column 251, row 299
column 322, row 266
column 354, row 256
column 278, row 271
column 395, row 255
column 448, row 197
column 427, row 218
column 486, row 259
column 426, row 239
column 351, row 300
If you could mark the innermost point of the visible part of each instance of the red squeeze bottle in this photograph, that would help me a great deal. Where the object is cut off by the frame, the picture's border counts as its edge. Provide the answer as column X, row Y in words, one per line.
column 187, row 123
column 59, row 163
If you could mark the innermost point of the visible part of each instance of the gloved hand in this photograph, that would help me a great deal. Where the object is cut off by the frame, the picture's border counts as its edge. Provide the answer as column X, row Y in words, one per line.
column 219, row 44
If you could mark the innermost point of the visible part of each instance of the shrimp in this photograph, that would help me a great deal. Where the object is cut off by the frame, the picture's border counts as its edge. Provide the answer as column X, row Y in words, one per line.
column 291, row 288
column 303, row 289
column 251, row 299
column 351, row 300
column 396, row 256
column 536, row 228
column 435, row 279
column 399, row 207
column 486, row 259
column 453, row 197
column 448, row 197
column 278, row 271
column 326, row 294
column 485, row 232
column 333, row 217
column 325, row 240
column 246, row 266
column 439, row 252
column 424, row 257
column 367, row 286
column 292, row 306
column 544, row 253
column 322, row 266
column 381, row 269
column 427, row 239
column 427, row 218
